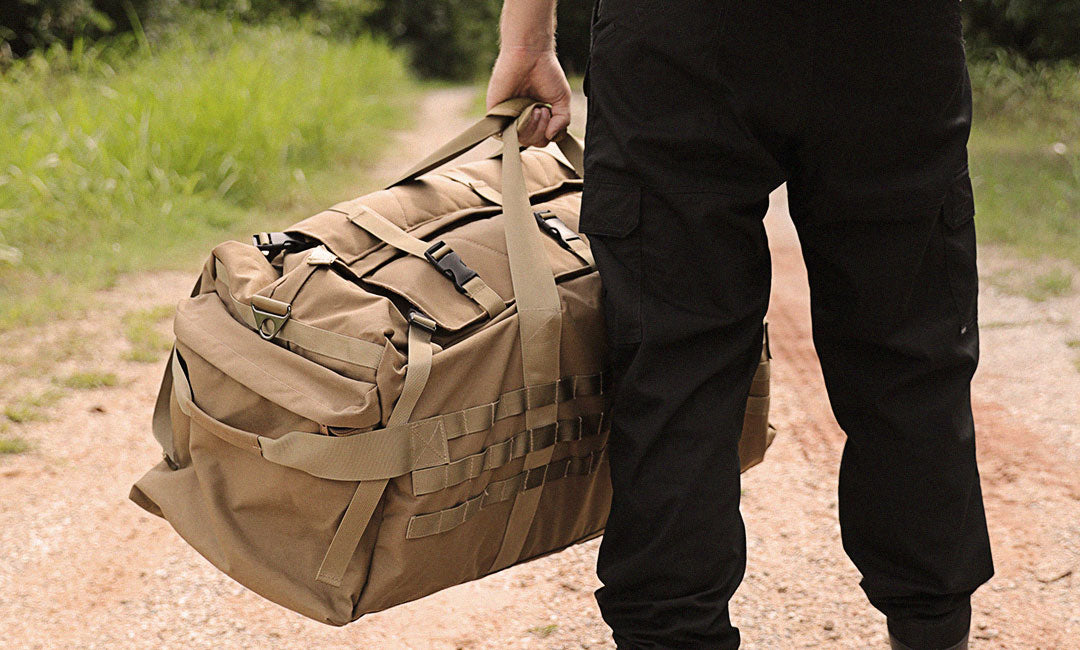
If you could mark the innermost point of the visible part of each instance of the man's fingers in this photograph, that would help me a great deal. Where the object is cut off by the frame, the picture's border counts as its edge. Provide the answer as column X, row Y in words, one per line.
column 556, row 124
column 532, row 132
column 538, row 139
column 560, row 117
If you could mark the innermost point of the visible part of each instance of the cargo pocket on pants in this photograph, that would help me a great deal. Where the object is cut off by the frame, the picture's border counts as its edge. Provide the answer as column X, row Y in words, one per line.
column 610, row 215
column 958, row 232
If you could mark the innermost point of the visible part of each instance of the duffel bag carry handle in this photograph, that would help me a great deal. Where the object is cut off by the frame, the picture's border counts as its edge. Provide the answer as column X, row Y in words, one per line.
column 492, row 124
column 538, row 304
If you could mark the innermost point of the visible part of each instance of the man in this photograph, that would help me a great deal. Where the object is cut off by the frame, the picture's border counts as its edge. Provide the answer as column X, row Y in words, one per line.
column 698, row 109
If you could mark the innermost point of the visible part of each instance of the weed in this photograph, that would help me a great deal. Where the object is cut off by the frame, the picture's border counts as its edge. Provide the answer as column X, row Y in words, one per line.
column 544, row 631
column 1052, row 284
column 89, row 379
column 141, row 331
column 13, row 446
column 30, row 408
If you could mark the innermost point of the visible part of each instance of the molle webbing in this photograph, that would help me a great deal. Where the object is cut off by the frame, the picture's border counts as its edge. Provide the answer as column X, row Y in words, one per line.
column 444, row 520
column 439, row 477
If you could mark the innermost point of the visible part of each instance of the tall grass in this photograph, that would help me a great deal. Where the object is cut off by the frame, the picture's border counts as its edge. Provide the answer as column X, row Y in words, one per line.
column 1025, row 155
column 137, row 154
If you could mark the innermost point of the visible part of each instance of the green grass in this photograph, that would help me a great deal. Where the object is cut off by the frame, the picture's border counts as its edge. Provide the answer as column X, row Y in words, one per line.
column 1052, row 284
column 86, row 380
column 1025, row 155
column 13, row 446
column 138, row 155
column 544, row 631
column 140, row 329
column 30, row 407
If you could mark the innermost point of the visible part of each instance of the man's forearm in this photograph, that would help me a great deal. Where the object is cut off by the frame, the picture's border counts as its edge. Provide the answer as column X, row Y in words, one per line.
column 528, row 25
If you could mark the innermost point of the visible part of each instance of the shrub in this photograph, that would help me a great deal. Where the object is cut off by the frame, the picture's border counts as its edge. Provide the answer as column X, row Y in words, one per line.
column 1036, row 29
column 34, row 24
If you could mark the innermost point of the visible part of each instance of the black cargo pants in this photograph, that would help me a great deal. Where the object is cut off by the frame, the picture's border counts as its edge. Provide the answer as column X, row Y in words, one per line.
column 697, row 110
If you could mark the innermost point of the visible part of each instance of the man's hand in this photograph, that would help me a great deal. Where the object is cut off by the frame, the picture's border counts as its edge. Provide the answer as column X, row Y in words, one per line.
column 527, row 67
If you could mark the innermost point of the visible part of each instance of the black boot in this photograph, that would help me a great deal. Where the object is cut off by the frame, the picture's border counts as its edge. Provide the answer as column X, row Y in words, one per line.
column 897, row 645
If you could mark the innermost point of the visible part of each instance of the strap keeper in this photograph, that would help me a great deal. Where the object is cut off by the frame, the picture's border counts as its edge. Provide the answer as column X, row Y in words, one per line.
column 443, row 258
column 423, row 321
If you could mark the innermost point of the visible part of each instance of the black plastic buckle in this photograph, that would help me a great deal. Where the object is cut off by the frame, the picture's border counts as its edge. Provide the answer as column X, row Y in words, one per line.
column 449, row 264
column 273, row 244
column 554, row 227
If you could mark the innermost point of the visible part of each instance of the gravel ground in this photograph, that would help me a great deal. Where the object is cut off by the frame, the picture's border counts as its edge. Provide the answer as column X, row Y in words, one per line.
column 80, row 566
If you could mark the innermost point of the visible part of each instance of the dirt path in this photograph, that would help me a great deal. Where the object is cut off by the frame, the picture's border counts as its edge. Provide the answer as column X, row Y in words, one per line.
column 80, row 566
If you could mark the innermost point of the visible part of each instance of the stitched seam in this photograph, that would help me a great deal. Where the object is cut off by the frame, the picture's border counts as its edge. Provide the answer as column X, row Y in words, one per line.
column 263, row 371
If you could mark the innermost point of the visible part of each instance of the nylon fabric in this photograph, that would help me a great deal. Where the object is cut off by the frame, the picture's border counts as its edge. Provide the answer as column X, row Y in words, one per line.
column 382, row 418
column 386, row 231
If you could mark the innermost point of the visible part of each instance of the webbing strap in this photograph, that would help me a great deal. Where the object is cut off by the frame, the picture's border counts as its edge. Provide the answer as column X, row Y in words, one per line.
column 416, row 372
column 441, row 521
column 488, row 126
column 162, row 421
column 484, row 296
column 353, row 522
column 368, row 493
column 540, row 331
column 382, row 453
column 574, row 151
column 329, row 344
column 387, row 231
column 491, row 125
column 400, row 449
column 479, row 187
column 440, row 477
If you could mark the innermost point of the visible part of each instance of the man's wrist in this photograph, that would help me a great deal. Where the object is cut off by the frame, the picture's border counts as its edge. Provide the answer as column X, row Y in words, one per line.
column 528, row 26
column 537, row 49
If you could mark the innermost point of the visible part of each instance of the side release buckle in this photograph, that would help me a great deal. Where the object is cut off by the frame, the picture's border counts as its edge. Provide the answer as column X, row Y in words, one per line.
column 443, row 258
column 553, row 227
column 273, row 244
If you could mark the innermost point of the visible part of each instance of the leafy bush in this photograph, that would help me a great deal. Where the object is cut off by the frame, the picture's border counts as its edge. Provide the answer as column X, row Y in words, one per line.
column 34, row 24
column 1025, row 154
column 1036, row 29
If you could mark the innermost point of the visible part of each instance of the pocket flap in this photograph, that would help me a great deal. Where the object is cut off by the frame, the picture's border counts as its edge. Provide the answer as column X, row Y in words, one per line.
column 609, row 208
column 959, row 207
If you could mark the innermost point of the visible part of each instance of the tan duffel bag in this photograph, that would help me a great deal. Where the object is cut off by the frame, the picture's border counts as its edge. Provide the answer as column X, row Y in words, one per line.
column 350, row 419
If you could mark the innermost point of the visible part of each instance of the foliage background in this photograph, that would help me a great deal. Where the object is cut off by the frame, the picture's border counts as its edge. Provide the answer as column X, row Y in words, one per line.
column 457, row 38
